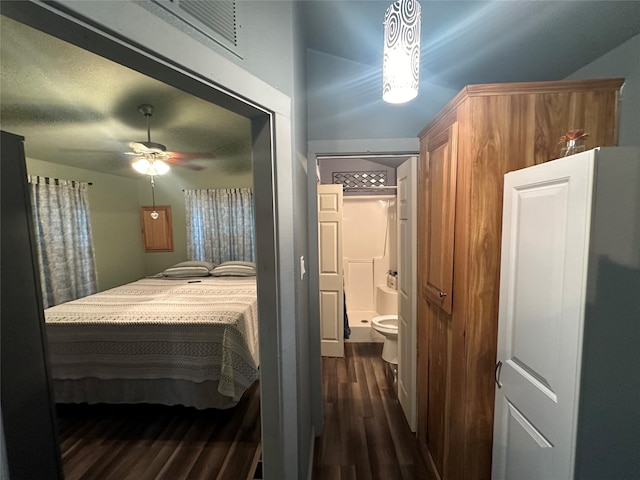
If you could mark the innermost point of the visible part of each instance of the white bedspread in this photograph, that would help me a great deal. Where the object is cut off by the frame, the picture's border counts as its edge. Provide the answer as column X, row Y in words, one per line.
column 199, row 329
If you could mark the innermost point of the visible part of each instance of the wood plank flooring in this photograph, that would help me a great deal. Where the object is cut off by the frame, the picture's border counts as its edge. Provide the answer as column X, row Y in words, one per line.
column 365, row 433
column 144, row 442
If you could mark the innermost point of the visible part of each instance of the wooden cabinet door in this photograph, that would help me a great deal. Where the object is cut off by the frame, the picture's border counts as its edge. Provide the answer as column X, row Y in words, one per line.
column 437, row 193
column 157, row 229
column 439, row 197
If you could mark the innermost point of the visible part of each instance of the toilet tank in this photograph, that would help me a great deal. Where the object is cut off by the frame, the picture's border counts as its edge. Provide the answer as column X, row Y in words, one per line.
column 386, row 300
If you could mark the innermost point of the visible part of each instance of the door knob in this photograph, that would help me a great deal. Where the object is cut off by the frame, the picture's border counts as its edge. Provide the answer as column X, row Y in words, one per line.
column 496, row 374
column 442, row 294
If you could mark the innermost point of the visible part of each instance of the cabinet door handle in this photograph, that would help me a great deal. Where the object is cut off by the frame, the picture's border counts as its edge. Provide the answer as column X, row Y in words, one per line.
column 442, row 294
column 496, row 374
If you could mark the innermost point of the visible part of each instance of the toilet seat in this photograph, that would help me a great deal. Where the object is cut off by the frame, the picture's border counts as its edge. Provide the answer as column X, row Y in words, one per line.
column 386, row 324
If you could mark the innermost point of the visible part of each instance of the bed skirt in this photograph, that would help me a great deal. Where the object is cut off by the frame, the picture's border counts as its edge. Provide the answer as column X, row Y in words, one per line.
column 200, row 395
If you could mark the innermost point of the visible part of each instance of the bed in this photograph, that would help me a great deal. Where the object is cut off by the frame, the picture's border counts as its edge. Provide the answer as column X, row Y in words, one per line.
column 175, row 341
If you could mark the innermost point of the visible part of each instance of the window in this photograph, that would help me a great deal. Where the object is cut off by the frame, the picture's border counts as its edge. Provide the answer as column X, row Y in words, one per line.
column 63, row 239
column 220, row 224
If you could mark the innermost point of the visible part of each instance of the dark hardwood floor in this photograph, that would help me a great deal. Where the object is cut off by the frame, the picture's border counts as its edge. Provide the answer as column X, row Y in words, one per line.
column 365, row 433
column 140, row 442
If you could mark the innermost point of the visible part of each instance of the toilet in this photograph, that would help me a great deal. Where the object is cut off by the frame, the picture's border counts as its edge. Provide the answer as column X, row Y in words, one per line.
column 387, row 325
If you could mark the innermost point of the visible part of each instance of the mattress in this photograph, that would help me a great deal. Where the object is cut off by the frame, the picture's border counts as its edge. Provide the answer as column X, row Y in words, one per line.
column 196, row 333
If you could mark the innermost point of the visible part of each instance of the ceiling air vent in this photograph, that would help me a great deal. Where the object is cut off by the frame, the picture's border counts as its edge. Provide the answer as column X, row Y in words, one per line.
column 216, row 19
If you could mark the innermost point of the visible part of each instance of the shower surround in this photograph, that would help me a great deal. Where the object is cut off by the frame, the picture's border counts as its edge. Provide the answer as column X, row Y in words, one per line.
column 369, row 249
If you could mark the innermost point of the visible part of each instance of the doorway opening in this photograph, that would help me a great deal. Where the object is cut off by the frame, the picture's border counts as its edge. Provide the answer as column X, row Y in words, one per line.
column 369, row 239
column 262, row 154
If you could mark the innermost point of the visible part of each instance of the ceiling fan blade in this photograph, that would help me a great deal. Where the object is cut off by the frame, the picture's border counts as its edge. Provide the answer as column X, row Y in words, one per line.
column 183, row 163
column 147, row 147
column 192, row 155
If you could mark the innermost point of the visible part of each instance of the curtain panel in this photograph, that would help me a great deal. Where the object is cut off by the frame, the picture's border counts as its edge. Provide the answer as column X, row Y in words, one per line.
column 220, row 224
column 64, row 242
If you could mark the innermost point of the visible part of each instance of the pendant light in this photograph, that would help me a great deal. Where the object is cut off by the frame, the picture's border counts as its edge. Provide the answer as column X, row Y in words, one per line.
column 401, row 63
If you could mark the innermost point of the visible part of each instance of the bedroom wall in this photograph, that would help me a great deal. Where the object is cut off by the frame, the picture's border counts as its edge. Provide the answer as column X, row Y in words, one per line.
column 623, row 61
column 115, row 221
column 115, row 216
column 221, row 173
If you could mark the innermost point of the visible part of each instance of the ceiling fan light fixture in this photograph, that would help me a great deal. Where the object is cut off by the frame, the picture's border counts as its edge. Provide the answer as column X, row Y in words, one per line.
column 150, row 167
column 401, row 62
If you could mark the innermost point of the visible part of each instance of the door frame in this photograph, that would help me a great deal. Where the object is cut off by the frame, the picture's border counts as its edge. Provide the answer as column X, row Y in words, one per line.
column 327, row 148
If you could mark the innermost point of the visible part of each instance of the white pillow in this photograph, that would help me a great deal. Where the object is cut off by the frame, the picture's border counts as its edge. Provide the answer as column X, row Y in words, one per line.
column 192, row 268
column 235, row 269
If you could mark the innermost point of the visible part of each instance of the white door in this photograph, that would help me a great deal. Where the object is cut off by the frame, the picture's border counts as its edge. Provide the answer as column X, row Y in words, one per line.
column 542, row 292
column 407, row 175
column 330, row 270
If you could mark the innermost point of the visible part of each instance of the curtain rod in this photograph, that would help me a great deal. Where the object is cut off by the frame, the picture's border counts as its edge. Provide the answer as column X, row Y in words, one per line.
column 230, row 188
column 56, row 180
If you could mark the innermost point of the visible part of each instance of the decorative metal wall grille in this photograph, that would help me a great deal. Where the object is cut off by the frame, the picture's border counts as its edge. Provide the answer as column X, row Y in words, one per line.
column 361, row 179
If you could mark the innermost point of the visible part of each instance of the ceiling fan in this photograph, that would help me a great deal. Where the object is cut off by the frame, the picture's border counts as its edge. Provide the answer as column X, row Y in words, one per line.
column 152, row 158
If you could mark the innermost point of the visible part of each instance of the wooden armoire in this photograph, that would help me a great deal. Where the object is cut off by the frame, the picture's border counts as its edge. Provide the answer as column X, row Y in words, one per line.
column 483, row 133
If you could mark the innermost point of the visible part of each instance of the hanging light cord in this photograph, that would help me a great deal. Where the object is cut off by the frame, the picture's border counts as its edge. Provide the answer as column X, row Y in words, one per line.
column 154, row 213
column 153, row 195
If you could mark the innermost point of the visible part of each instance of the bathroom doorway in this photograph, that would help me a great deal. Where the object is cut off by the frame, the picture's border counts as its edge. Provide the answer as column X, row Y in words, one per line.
column 369, row 240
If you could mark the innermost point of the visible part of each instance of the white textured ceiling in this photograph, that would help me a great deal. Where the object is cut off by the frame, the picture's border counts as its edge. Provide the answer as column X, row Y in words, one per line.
column 76, row 108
